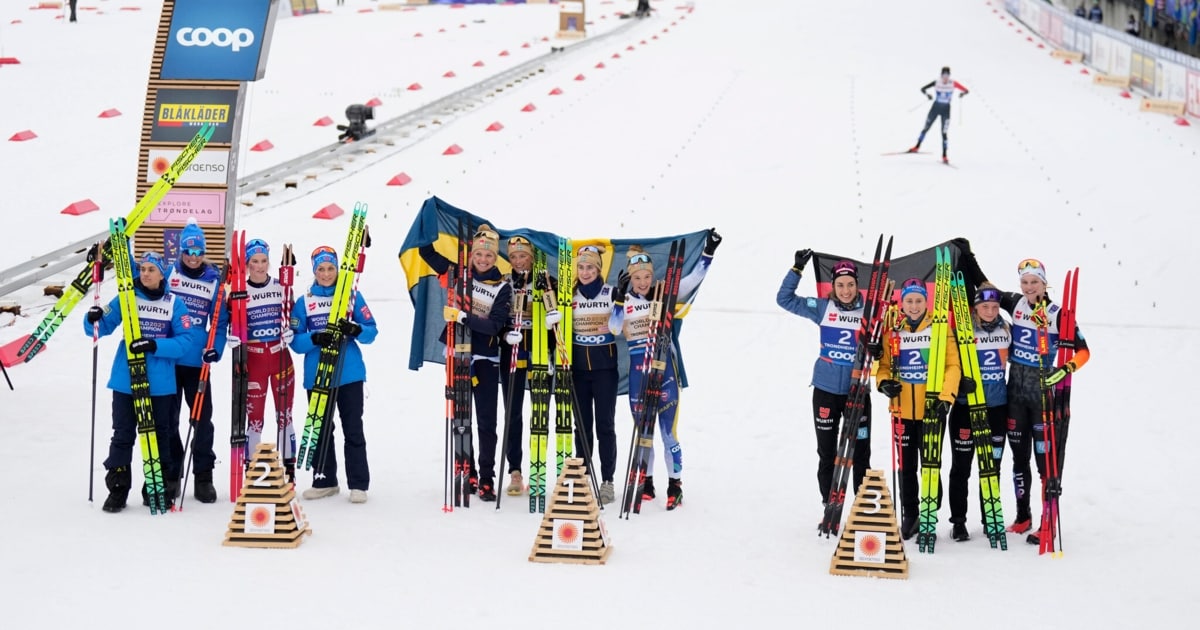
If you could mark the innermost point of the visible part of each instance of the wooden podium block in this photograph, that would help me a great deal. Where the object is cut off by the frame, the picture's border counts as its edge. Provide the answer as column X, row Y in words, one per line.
column 870, row 544
column 267, row 513
column 572, row 529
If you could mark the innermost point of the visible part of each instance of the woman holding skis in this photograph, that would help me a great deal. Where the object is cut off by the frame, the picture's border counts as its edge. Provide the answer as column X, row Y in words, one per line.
column 520, row 256
column 167, row 334
column 594, row 366
column 1029, row 309
column 268, row 360
column 914, row 337
column 631, row 316
column 993, row 336
column 491, row 299
column 198, row 283
column 310, row 333
column 839, row 316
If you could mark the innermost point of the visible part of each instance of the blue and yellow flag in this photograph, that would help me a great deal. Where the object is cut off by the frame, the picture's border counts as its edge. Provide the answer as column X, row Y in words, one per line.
column 438, row 224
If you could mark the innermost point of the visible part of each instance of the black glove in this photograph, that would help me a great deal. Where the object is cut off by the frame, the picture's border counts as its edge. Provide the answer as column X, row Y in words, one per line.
column 801, row 260
column 518, row 280
column 712, row 242
column 323, row 339
column 210, row 356
column 941, row 408
column 962, row 94
column 349, row 328
column 94, row 314
column 541, row 283
column 890, row 388
column 622, row 290
column 927, row 96
column 966, row 385
column 876, row 349
column 143, row 346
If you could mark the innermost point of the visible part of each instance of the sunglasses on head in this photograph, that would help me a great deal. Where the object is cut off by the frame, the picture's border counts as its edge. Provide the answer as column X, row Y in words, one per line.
column 1029, row 263
column 639, row 258
column 324, row 249
column 987, row 295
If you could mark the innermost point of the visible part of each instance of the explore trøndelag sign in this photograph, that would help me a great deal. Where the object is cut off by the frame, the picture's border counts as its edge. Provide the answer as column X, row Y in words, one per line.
column 219, row 40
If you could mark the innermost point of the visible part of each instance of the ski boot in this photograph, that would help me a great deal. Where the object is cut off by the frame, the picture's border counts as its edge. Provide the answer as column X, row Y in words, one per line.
column 674, row 494
column 118, row 482
column 648, row 488
column 908, row 525
column 486, row 491
column 1023, row 522
column 204, row 490
column 959, row 533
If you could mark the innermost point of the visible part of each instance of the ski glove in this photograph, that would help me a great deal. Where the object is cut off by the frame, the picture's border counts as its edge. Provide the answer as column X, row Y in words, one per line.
column 454, row 315
column 876, row 349
column 890, row 388
column 802, row 257
column 233, row 341
column 941, row 408
column 927, row 96
column 94, row 314
column 542, row 282
column 323, row 339
column 518, row 280
column 622, row 290
column 552, row 318
column 211, row 356
column 962, row 94
column 143, row 346
column 349, row 328
column 1058, row 375
column 712, row 242
column 966, row 385
column 513, row 337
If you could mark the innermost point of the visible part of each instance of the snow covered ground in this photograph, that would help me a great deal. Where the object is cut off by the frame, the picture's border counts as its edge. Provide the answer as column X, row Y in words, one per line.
column 767, row 120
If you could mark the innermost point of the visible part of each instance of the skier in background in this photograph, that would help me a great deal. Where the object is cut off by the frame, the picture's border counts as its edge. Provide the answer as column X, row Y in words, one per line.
column 198, row 283
column 839, row 316
column 943, row 88
column 166, row 336
column 1025, row 425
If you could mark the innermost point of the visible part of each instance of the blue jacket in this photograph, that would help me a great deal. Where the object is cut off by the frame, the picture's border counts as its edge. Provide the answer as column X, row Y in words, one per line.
column 310, row 314
column 827, row 375
column 164, row 320
column 198, row 294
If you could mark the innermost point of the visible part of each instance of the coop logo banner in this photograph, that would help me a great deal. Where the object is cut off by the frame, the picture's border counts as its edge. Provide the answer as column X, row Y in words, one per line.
column 218, row 40
column 179, row 112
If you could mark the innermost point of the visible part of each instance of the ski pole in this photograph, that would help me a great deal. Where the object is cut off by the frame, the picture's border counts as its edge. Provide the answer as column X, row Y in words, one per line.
column 519, row 309
column 97, row 277
column 6, row 379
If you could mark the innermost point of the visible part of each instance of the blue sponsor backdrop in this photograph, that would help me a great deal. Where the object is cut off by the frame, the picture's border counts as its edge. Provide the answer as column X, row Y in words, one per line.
column 216, row 40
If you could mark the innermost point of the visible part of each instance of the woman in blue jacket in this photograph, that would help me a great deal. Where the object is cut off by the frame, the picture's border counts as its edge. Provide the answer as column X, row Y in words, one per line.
column 166, row 329
column 310, row 317
column 840, row 317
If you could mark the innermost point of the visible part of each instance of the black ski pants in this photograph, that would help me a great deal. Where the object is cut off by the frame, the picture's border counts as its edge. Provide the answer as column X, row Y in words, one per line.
column 485, row 379
column 827, row 410
column 596, row 393
column 203, row 458
column 125, row 435
column 962, row 453
column 350, row 411
column 512, row 384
